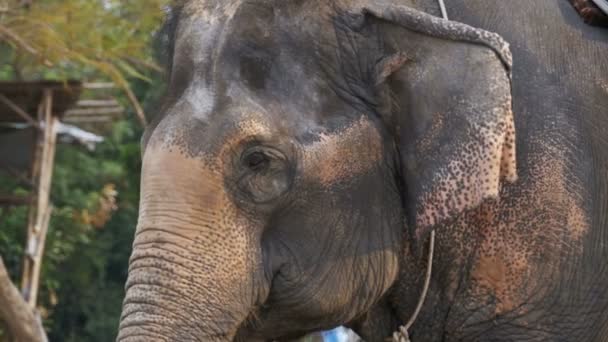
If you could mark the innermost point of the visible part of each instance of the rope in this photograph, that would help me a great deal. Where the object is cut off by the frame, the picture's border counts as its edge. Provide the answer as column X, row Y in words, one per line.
column 403, row 334
column 444, row 12
column 602, row 4
column 427, row 282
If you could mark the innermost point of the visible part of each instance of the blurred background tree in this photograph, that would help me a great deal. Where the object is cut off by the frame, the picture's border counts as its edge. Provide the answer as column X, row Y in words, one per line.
column 95, row 194
column 63, row 39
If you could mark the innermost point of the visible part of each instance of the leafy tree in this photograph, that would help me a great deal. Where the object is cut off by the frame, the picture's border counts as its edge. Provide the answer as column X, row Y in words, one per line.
column 63, row 39
column 88, row 297
column 95, row 194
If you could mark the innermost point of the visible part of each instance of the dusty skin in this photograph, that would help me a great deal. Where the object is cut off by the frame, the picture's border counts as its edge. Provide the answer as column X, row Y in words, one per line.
column 306, row 148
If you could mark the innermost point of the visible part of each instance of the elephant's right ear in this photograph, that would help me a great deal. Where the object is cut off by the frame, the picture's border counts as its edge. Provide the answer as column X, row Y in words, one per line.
column 447, row 93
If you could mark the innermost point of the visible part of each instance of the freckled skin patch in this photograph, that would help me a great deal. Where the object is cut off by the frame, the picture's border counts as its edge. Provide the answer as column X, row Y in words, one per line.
column 514, row 266
column 474, row 176
column 547, row 231
column 536, row 257
column 511, row 250
column 515, row 246
column 351, row 152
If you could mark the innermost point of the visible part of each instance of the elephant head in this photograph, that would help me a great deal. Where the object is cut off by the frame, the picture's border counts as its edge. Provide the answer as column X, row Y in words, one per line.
column 301, row 145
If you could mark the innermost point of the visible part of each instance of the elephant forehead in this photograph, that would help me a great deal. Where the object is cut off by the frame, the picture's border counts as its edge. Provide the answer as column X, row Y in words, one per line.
column 210, row 141
column 210, row 10
column 344, row 154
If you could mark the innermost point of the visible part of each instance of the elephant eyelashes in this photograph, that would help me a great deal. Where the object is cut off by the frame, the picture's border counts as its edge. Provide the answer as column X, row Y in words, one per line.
column 256, row 161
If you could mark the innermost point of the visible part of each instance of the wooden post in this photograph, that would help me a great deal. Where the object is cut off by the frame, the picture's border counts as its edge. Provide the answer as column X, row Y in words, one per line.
column 35, row 179
column 40, row 212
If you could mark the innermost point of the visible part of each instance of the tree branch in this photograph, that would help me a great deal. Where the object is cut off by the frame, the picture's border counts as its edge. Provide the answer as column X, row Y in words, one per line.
column 20, row 320
column 145, row 64
column 12, row 36
column 138, row 109
column 22, row 44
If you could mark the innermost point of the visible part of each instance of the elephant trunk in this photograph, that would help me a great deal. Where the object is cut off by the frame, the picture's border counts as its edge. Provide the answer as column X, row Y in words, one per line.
column 195, row 271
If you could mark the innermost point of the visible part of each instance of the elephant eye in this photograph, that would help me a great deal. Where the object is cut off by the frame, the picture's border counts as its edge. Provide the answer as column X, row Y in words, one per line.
column 256, row 161
column 264, row 174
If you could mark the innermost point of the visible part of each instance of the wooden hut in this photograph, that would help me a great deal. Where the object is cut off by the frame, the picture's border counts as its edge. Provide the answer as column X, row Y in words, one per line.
column 31, row 115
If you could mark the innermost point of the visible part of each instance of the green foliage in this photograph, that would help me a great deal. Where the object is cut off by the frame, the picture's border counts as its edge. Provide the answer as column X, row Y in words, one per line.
column 80, row 39
column 68, row 38
column 84, row 267
column 91, row 229
column 90, row 293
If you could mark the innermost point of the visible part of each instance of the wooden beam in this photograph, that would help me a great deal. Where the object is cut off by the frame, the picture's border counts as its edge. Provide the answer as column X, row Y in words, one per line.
column 20, row 319
column 91, row 119
column 23, row 114
column 6, row 200
column 99, row 85
column 94, row 111
column 97, row 103
column 22, row 179
column 139, row 111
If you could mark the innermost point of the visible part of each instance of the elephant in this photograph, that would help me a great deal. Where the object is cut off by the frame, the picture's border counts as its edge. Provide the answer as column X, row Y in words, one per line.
column 306, row 150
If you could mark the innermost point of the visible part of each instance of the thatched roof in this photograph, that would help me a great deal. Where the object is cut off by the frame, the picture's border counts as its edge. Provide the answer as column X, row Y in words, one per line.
column 27, row 95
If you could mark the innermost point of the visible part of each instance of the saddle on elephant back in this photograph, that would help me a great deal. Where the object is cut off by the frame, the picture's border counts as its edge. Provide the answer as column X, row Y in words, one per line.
column 594, row 12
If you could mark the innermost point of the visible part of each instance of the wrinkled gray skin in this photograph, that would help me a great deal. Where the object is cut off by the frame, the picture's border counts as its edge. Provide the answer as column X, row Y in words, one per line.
column 306, row 148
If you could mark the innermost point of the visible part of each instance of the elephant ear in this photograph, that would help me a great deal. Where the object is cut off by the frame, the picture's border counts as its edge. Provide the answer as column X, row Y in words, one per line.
column 447, row 96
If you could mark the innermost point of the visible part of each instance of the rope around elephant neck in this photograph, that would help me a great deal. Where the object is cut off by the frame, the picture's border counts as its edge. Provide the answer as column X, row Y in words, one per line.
column 403, row 334
column 444, row 12
column 427, row 282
